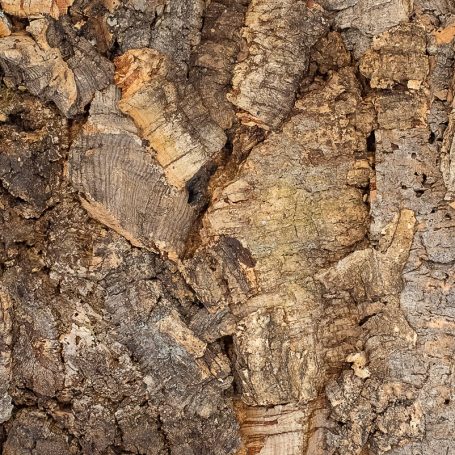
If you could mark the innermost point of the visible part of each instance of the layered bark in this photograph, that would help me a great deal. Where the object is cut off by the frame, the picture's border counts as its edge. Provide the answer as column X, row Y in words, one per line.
column 227, row 227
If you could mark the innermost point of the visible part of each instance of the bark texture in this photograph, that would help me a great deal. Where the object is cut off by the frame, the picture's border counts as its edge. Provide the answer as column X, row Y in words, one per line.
column 227, row 227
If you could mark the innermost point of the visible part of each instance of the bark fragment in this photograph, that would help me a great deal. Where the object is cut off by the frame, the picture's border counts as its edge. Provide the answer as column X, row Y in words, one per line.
column 272, row 429
column 360, row 20
column 36, row 8
column 213, row 60
column 109, row 154
column 386, row 65
column 274, row 58
column 170, row 27
column 55, row 65
column 170, row 115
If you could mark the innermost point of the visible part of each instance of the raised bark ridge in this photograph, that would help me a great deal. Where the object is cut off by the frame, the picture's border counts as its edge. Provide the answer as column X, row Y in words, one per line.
column 267, row 75
column 151, row 212
column 233, row 233
column 168, row 112
column 55, row 64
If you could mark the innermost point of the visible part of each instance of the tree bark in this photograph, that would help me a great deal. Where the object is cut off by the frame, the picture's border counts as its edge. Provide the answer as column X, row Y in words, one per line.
column 227, row 227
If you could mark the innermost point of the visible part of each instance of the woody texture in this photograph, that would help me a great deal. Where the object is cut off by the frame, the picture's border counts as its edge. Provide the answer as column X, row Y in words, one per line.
column 227, row 227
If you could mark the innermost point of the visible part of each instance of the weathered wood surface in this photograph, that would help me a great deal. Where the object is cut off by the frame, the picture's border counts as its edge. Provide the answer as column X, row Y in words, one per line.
column 227, row 227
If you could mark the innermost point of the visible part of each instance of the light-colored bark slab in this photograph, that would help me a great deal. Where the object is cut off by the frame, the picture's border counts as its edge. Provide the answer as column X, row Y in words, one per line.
column 168, row 112
column 274, row 58
column 36, row 8
column 282, row 210
column 48, row 68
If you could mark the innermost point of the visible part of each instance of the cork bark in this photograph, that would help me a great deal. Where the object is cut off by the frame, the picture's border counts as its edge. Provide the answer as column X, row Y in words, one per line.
column 227, row 227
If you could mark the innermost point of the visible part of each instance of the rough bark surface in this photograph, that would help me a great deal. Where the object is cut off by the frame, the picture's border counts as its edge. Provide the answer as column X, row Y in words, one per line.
column 227, row 227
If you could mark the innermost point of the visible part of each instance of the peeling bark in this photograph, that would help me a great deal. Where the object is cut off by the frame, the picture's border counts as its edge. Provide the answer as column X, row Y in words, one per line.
column 34, row 8
column 109, row 154
column 55, row 64
column 227, row 227
column 169, row 114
